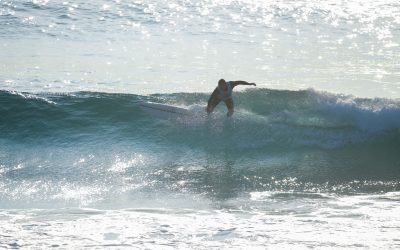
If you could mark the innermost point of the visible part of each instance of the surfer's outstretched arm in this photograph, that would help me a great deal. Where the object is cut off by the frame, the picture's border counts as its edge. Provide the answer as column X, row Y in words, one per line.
column 235, row 83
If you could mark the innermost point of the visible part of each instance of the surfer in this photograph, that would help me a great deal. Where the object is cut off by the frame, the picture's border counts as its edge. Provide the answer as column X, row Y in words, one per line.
column 223, row 92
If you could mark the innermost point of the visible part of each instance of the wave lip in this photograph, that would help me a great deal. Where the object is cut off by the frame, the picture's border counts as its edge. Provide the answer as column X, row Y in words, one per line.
column 291, row 116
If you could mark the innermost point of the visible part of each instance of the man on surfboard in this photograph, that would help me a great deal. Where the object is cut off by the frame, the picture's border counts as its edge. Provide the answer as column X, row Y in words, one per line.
column 223, row 92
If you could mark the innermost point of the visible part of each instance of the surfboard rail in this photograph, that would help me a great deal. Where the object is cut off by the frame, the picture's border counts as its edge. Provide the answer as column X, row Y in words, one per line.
column 165, row 111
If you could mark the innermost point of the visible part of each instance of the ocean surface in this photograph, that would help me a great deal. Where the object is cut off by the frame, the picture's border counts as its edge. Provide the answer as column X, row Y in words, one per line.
column 309, row 160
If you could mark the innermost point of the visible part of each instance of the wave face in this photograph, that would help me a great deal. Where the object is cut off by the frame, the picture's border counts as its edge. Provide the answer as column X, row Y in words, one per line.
column 87, row 147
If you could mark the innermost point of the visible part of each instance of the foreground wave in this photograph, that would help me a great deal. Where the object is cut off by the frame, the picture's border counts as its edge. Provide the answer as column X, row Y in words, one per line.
column 99, row 144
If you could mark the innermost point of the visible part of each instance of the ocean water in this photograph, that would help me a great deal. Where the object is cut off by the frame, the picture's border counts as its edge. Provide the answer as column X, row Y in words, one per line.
column 310, row 159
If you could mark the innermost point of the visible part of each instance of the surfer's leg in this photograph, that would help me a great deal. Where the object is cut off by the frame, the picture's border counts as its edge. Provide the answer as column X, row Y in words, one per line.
column 229, row 105
column 212, row 102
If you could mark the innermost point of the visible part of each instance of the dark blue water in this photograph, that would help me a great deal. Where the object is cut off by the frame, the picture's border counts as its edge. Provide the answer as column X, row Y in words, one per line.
column 277, row 140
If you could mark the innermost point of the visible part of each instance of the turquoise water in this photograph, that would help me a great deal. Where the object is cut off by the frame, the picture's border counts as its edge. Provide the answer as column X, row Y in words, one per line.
column 310, row 158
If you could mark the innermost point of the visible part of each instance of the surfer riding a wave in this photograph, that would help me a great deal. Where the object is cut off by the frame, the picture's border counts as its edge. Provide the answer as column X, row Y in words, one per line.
column 223, row 92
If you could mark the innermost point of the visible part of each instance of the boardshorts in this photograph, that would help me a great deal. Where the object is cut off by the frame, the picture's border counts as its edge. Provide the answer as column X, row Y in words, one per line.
column 215, row 100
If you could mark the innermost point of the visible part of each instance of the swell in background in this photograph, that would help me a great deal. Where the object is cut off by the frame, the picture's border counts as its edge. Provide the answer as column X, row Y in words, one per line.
column 147, row 47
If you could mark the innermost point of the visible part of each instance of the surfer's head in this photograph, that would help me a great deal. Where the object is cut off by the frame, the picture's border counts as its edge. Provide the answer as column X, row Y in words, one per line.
column 222, row 84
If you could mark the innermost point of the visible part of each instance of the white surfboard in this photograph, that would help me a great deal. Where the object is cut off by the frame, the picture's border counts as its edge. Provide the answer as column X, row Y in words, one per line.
column 164, row 111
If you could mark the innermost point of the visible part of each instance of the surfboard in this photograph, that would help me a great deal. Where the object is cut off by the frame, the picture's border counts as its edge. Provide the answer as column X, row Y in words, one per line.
column 164, row 111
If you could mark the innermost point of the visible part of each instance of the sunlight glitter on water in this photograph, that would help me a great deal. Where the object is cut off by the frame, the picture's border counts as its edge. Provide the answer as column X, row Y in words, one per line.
column 292, row 224
column 330, row 45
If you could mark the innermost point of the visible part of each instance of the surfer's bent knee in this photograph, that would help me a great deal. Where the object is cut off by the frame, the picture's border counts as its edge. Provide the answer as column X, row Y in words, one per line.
column 212, row 103
column 229, row 105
